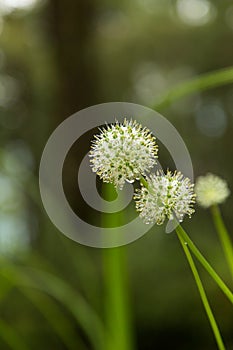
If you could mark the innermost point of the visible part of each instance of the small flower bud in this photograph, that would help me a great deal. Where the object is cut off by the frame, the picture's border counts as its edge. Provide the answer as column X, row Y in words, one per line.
column 211, row 190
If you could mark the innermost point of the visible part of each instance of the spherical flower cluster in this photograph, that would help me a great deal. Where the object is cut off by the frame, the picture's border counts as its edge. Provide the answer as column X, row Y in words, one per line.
column 123, row 152
column 167, row 196
column 211, row 190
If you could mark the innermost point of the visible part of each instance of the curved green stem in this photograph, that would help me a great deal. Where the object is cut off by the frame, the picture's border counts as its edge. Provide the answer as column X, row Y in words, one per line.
column 55, row 317
column 64, row 293
column 202, row 293
column 201, row 83
column 204, row 262
column 11, row 337
column 223, row 236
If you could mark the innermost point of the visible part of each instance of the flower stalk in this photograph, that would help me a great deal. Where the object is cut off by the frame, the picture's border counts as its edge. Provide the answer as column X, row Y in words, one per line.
column 202, row 293
column 117, row 308
column 116, row 284
column 223, row 236
column 204, row 263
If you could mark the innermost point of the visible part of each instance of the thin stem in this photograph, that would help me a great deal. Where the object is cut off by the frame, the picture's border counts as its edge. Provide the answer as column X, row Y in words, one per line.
column 203, row 82
column 143, row 182
column 200, row 257
column 202, row 293
column 223, row 236
column 205, row 263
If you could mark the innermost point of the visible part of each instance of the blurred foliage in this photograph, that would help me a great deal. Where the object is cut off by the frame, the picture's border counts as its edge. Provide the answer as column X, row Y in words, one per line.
column 58, row 57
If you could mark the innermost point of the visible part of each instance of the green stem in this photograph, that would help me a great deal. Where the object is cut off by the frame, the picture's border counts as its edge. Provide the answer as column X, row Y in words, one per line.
column 204, row 263
column 203, row 82
column 202, row 293
column 223, row 236
column 117, row 303
column 11, row 337
column 117, row 299
column 200, row 257
column 60, row 290
column 143, row 182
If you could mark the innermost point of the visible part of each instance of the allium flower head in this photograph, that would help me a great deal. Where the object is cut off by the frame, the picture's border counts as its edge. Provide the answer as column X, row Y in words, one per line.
column 167, row 195
column 210, row 190
column 123, row 152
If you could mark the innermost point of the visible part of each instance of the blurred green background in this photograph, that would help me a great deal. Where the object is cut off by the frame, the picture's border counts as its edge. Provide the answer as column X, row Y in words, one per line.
column 57, row 57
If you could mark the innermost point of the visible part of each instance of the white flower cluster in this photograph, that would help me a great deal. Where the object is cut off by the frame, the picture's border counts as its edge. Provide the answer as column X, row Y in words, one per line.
column 167, row 196
column 123, row 152
column 126, row 152
column 211, row 190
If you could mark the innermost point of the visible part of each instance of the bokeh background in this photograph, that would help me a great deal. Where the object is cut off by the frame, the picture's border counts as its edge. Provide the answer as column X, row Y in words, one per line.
column 57, row 57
